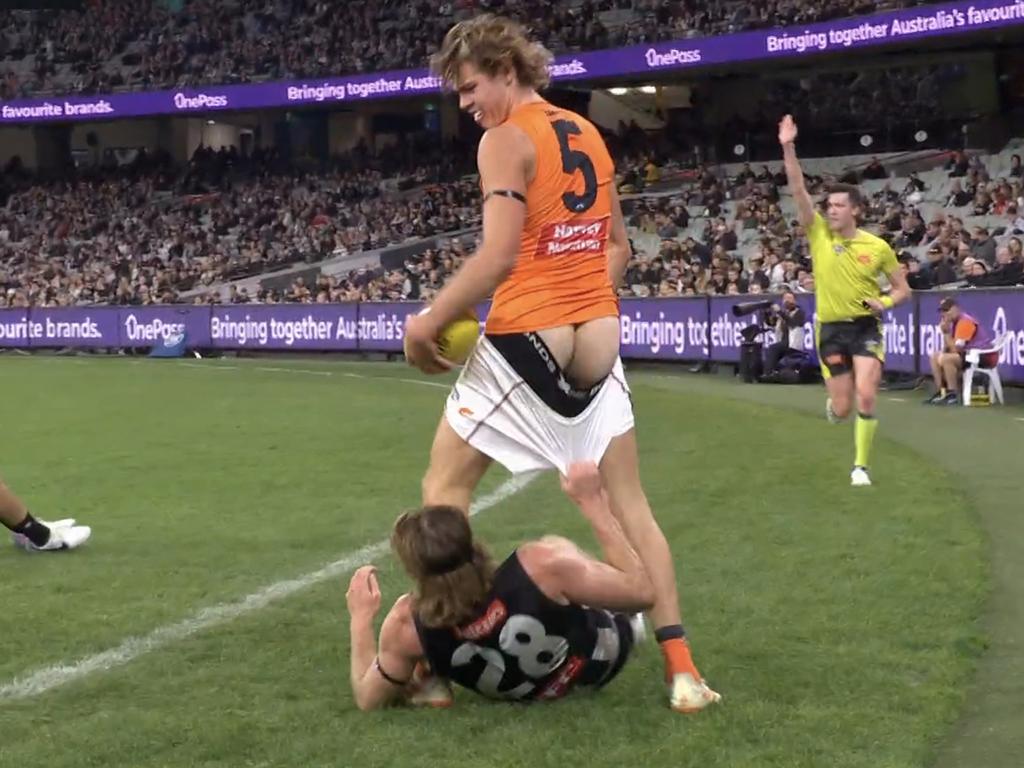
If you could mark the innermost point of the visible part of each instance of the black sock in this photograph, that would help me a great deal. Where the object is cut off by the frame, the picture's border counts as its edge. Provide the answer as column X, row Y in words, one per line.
column 33, row 530
column 669, row 632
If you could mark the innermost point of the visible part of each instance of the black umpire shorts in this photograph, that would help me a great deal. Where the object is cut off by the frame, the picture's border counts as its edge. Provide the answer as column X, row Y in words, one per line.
column 839, row 343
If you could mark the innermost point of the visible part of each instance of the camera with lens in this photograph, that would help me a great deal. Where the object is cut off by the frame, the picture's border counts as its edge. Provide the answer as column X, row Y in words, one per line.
column 755, row 329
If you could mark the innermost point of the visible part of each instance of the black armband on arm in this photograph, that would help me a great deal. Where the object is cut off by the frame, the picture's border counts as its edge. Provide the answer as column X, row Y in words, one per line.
column 506, row 193
column 386, row 676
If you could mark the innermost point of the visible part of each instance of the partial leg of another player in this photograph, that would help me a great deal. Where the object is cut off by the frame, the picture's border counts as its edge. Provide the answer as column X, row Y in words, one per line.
column 867, row 373
column 38, row 535
column 621, row 475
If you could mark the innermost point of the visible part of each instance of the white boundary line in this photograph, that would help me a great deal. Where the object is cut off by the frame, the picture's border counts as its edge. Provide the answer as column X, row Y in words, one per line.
column 57, row 675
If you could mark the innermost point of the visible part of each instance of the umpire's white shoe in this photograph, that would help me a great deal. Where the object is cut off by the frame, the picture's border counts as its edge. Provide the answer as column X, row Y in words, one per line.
column 859, row 476
column 64, row 534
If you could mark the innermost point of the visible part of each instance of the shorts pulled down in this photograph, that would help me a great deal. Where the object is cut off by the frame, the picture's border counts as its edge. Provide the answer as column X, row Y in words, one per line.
column 513, row 403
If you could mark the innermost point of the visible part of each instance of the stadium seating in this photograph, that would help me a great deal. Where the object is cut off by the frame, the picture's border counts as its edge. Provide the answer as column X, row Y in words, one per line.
column 147, row 233
column 186, row 239
column 123, row 44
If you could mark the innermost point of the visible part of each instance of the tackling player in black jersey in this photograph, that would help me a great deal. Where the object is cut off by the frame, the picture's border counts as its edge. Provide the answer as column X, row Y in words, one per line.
column 547, row 620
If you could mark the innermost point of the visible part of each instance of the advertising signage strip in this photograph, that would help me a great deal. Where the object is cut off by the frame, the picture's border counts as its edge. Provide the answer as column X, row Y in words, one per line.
column 838, row 35
column 678, row 329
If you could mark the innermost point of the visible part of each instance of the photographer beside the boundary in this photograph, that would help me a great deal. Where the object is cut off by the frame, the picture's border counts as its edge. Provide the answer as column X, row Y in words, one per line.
column 789, row 319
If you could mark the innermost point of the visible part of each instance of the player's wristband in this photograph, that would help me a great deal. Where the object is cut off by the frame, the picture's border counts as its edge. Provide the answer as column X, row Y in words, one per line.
column 887, row 302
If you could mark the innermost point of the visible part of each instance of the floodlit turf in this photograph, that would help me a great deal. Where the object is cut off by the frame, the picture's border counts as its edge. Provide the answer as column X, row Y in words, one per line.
column 840, row 624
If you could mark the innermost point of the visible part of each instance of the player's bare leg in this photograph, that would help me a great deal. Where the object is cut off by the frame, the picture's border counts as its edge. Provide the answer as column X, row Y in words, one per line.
column 867, row 372
column 38, row 535
column 455, row 469
column 621, row 475
column 840, row 396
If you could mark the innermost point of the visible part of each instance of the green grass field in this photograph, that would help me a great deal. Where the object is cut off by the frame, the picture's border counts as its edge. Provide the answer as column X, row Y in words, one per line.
column 841, row 625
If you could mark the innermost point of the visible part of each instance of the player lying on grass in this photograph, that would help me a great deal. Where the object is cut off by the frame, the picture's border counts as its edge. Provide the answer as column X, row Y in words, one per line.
column 38, row 535
column 518, row 631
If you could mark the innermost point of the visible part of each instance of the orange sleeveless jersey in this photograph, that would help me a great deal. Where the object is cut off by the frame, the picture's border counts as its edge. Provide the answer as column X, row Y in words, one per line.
column 561, row 274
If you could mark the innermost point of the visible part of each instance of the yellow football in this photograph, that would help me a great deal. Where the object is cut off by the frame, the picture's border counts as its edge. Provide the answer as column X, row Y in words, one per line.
column 458, row 339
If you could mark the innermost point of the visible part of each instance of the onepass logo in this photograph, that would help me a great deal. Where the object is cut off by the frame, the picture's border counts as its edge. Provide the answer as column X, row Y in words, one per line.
column 673, row 57
column 199, row 101
column 136, row 329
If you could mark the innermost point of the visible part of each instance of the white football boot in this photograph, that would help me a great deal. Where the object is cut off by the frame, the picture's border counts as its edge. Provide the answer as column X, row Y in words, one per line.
column 64, row 534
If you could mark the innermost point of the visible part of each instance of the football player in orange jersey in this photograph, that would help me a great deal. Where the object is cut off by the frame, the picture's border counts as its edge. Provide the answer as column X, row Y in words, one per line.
column 544, row 387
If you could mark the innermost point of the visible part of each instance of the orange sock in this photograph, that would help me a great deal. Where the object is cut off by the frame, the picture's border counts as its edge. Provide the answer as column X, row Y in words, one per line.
column 677, row 657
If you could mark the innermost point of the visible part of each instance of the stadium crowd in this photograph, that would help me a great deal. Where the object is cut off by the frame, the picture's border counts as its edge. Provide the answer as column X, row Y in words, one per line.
column 713, row 263
column 144, row 233
column 141, row 44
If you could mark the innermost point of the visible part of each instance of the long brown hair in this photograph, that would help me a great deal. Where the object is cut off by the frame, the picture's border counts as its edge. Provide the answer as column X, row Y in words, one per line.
column 492, row 44
column 453, row 573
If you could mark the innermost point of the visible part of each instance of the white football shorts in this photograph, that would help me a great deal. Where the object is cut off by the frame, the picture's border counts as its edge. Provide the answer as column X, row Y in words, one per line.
column 527, row 416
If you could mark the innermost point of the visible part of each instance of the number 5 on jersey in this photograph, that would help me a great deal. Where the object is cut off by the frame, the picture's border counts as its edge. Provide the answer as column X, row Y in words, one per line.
column 574, row 160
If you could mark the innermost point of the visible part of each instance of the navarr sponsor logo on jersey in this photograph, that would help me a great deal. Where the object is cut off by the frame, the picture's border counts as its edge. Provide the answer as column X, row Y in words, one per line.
column 673, row 57
column 575, row 237
column 493, row 618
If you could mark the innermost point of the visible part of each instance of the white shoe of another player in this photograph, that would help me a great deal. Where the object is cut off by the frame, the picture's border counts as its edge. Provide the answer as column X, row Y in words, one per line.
column 860, row 476
column 639, row 626
column 64, row 534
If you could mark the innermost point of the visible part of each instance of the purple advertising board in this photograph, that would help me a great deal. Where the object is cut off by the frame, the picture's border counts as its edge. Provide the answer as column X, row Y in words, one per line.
column 382, row 323
column 682, row 329
column 998, row 312
column 898, row 338
column 664, row 329
column 285, row 326
column 890, row 27
column 151, row 326
column 73, row 327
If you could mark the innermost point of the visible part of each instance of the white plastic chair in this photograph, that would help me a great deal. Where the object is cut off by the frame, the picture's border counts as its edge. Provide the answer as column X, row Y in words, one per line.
column 974, row 366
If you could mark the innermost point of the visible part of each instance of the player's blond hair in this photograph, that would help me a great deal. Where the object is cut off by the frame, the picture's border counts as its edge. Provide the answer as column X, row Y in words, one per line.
column 453, row 573
column 492, row 44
